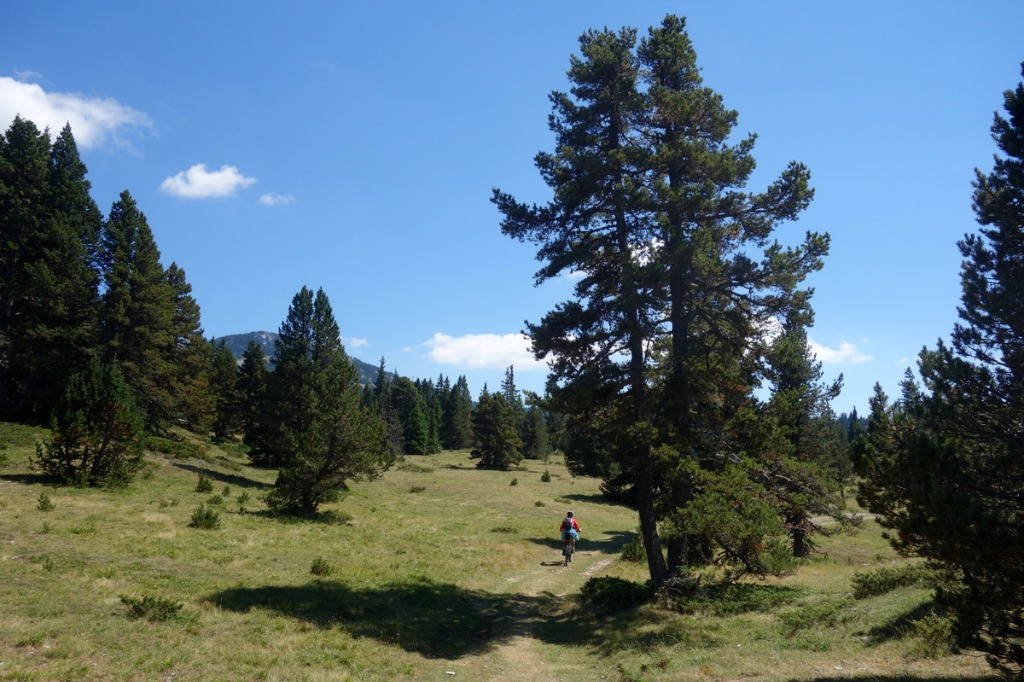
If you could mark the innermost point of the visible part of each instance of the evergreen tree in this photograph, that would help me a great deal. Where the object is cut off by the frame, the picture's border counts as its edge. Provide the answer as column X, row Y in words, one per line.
column 253, row 378
column 225, row 387
column 138, row 312
column 384, row 405
column 649, row 208
column 408, row 404
column 535, row 430
column 49, row 299
column 97, row 437
column 944, row 466
column 807, row 455
column 457, row 428
column 496, row 438
column 190, row 356
column 328, row 436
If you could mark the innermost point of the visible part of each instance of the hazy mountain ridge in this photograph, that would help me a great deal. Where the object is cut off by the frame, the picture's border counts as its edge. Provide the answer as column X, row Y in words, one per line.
column 237, row 343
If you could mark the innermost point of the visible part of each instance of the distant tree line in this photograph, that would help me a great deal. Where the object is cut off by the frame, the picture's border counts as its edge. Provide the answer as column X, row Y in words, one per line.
column 102, row 342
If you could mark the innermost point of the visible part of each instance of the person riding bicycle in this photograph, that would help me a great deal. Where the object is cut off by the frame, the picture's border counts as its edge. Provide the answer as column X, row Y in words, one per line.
column 570, row 529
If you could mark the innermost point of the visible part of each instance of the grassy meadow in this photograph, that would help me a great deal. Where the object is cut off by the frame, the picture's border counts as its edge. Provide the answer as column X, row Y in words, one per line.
column 437, row 571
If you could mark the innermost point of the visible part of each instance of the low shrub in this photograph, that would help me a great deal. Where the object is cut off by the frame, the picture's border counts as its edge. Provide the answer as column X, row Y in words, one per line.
column 179, row 449
column 44, row 504
column 634, row 551
column 614, row 594
column 886, row 579
column 204, row 484
column 206, row 518
column 514, row 481
column 545, row 477
column 320, row 567
column 417, row 488
column 823, row 614
column 933, row 637
column 505, row 529
column 538, row 503
column 151, row 608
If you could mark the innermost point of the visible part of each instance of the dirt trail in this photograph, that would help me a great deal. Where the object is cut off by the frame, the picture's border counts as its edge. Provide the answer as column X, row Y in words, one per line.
column 519, row 656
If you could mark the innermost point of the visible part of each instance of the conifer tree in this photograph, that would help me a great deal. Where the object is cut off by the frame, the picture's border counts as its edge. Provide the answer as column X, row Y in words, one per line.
column 328, row 437
column 190, row 356
column 678, row 275
column 805, row 460
column 496, row 439
column 49, row 297
column 225, row 387
column 253, row 378
column 458, row 417
column 944, row 466
column 138, row 311
column 97, row 437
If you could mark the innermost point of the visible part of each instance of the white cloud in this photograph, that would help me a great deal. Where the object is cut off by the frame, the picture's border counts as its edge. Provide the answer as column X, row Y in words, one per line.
column 356, row 342
column 92, row 119
column 275, row 199
column 483, row 351
column 199, row 183
column 847, row 352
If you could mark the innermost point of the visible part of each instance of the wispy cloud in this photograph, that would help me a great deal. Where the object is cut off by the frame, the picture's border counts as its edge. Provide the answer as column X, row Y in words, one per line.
column 199, row 183
column 275, row 199
column 483, row 351
column 355, row 342
column 846, row 353
column 94, row 120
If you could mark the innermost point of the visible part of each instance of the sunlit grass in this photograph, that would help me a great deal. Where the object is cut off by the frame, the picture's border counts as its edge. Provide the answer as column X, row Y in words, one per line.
column 437, row 567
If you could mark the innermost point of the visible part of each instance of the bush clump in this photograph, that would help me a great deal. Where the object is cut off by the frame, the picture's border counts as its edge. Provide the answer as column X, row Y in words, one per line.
column 614, row 594
column 156, row 609
column 45, row 503
column 634, row 551
column 320, row 567
column 206, row 518
column 886, row 579
column 180, row 449
column 204, row 484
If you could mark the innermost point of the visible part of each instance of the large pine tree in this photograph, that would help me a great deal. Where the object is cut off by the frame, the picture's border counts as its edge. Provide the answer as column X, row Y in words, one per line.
column 945, row 465
column 137, row 319
column 678, row 275
column 49, row 299
column 326, row 435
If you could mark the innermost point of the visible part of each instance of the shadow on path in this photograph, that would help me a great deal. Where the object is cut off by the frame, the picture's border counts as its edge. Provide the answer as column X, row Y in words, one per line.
column 611, row 542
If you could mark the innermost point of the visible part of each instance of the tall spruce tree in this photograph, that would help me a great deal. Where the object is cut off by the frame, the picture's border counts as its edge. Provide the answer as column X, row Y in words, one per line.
column 944, row 466
column 253, row 378
column 457, row 431
column 496, row 438
column 657, row 347
column 49, row 299
column 328, row 437
column 190, row 356
column 224, row 377
column 138, row 312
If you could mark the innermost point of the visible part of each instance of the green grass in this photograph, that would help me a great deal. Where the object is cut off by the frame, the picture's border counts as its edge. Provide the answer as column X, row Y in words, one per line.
column 463, row 576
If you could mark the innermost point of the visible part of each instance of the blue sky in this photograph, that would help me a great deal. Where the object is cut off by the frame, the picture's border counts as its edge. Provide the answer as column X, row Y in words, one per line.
column 353, row 146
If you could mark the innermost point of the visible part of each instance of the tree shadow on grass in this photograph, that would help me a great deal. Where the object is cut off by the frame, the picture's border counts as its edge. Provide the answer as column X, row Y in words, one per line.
column 220, row 477
column 31, row 479
column 594, row 498
column 435, row 620
column 900, row 626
